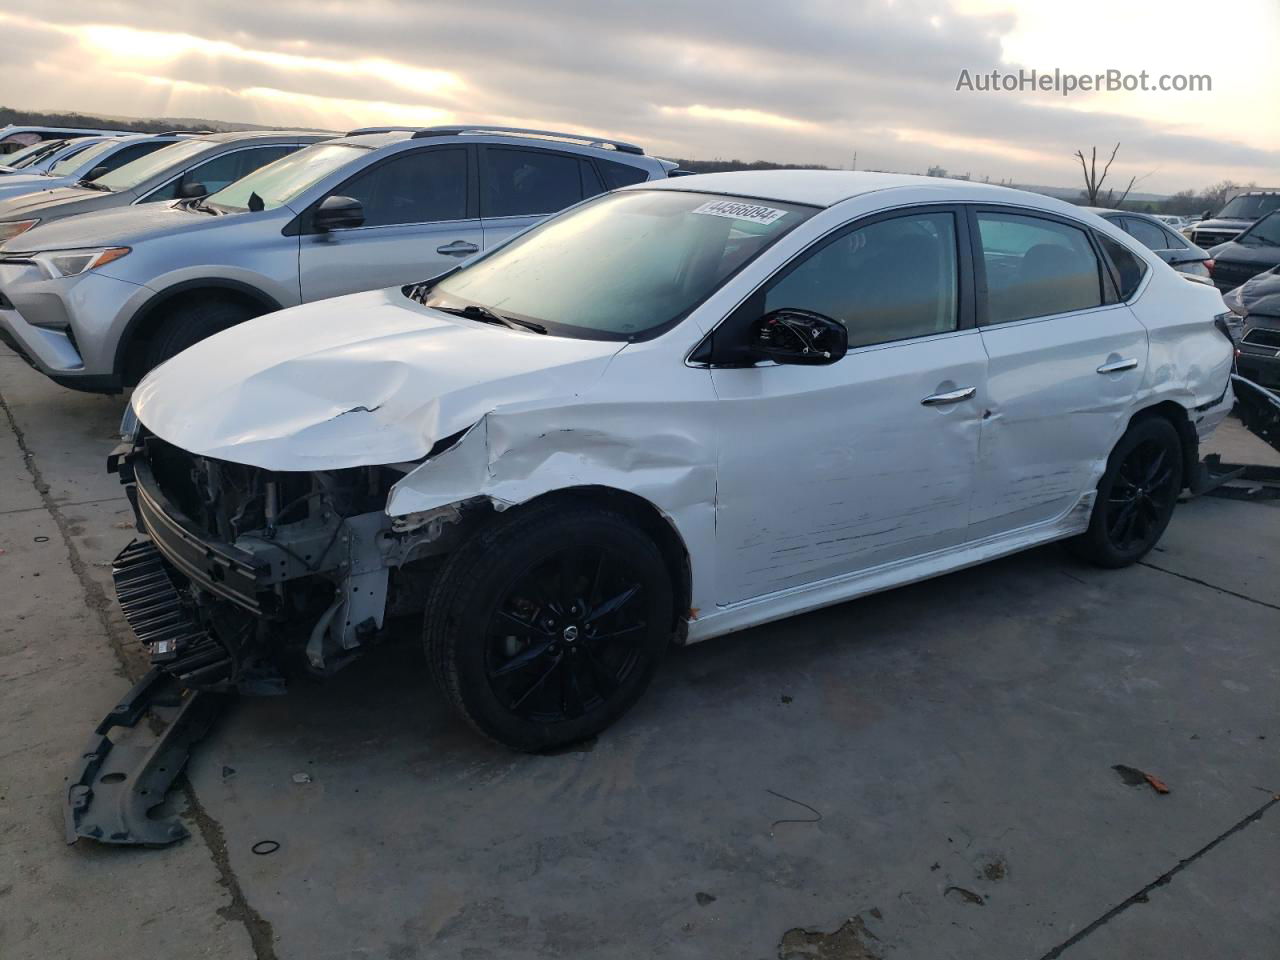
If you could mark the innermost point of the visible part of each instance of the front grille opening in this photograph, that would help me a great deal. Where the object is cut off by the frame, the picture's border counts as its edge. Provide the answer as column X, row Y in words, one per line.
column 1262, row 337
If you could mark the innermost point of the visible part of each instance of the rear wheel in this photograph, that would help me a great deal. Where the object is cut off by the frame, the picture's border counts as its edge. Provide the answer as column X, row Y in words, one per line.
column 1136, row 495
column 190, row 323
column 545, row 628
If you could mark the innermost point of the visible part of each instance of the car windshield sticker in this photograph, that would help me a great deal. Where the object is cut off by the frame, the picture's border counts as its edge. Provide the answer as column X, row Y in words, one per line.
column 752, row 212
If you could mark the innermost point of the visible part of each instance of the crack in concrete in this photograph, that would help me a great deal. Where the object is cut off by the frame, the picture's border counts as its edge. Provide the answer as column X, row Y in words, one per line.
column 1211, row 586
column 1160, row 881
column 259, row 929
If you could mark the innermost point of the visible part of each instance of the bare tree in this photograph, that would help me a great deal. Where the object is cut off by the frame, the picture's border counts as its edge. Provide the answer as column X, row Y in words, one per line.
column 1093, row 180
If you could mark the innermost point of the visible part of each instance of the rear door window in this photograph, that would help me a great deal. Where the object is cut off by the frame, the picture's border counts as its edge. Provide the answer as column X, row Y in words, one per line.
column 1127, row 268
column 1036, row 267
column 516, row 183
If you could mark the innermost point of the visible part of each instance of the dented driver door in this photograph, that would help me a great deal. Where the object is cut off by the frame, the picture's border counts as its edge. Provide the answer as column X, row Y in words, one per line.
column 831, row 470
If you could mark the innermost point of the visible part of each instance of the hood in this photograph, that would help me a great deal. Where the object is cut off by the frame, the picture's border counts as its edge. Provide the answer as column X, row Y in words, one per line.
column 116, row 226
column 59, row 202
column 1259, row 296
column 1221, row 223
column 1254, row 255
column 367, row 379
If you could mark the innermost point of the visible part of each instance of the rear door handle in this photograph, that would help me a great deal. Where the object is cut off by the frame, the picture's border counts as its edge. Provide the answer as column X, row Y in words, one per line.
column 459, row 248
column 1117, row 366
column 951, row 396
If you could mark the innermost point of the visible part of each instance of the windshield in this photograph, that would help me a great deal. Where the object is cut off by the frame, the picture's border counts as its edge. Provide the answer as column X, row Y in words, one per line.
column 1264, row 233
column 1250, row 207
column 622, row 267
column 279, row 182
column 144, row 168
column 29, row 155
column 69, row 165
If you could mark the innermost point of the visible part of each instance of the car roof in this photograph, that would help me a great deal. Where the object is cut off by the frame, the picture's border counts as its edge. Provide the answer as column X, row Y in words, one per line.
column 235, row 136
column 826, row 188
column 377, row 137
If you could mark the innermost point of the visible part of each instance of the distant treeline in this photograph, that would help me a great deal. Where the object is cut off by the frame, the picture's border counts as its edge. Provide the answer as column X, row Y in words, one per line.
column 31, row 118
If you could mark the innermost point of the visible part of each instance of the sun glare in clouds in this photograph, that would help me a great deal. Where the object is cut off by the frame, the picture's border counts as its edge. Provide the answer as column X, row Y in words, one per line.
column 743, row 116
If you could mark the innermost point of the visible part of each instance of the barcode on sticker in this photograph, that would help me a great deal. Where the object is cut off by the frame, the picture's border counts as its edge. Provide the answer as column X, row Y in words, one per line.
column 753, row 212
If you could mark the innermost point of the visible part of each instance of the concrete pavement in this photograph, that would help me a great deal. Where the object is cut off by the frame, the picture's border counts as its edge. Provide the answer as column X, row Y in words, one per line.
column 922, row 774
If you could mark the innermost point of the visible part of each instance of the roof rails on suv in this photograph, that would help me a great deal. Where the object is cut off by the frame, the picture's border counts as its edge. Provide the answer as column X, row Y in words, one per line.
column 454, row 131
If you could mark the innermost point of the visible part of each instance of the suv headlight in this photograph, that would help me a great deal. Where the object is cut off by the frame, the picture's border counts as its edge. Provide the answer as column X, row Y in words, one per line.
column 11, row 228
column 72, row 263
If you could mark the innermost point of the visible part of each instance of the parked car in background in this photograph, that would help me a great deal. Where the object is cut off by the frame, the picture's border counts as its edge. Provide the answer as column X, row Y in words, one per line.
column 189, row 168
column 14, row 137
column 98, row 157
column 1171, row 220
column 1254, row 251
column 675, row 411
column 1256, row 303
column 367, row 210
column 40, row 156
column 1164, row 241
column 1240, row 212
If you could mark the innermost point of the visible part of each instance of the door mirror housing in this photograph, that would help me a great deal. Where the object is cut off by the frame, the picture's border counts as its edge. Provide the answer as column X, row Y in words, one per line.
column 799, row 337
column 336, row 213
column 192, row 190
column 96, row 172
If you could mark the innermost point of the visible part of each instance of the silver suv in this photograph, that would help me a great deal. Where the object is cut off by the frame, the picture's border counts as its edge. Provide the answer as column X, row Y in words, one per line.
column 97, row 301
column 97, row 158
column 187, row 169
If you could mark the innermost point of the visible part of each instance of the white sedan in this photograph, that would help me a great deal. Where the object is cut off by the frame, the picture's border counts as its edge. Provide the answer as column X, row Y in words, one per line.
column 674, row 411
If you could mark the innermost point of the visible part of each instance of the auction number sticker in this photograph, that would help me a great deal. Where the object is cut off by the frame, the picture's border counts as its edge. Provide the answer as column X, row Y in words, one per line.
column 751, row 212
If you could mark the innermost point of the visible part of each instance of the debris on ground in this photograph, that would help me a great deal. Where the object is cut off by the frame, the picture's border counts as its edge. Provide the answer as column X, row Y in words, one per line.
column 846, row 943
column 1133, row 777
column 302, row 778
column 704, row 898
column 799, row 803
column 965, row 895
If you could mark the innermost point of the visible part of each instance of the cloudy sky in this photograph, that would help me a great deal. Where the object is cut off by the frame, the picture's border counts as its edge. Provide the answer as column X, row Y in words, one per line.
column 800, row 81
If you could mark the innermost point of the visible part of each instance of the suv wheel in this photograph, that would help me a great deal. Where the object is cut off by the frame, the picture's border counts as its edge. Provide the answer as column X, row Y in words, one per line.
column 546, row 627
column 1136, row 495
column 189, row 324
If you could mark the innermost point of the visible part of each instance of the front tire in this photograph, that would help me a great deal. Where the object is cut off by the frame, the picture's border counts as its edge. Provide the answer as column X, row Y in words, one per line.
column 189, row 324
column 546, row 627
column 1136, row 496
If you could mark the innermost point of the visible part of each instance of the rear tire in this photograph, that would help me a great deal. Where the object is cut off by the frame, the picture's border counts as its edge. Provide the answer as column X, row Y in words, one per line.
column 1136, row 496
column 546, row 626
column 189, row 324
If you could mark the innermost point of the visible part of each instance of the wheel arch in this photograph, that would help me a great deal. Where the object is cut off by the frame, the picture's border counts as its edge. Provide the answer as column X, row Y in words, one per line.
column 1178, row 416
column 143, row 324
column 650, row 519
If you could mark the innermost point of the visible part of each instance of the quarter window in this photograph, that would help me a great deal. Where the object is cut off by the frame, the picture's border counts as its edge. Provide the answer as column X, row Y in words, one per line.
column 523, row 182
column 424, row 186
column 890, row 280
column 1127, row 268
column 1036, row 267
column 621, row 174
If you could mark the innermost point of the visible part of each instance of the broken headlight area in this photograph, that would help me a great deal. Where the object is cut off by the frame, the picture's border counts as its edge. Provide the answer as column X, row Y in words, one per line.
column 243, row 570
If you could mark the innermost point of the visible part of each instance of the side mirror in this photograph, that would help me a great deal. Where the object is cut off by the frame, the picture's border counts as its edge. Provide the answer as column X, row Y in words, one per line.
column 336, row 212
column 1206, row 215
column 96, row 172
column 799, row 337
column 192, row 191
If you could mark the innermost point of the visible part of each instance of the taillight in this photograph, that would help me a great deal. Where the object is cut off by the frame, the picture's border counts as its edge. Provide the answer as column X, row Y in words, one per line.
column 1208, row 265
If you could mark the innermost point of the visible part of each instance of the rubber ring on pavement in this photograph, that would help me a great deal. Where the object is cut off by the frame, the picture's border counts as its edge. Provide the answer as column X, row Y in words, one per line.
column 264, row 847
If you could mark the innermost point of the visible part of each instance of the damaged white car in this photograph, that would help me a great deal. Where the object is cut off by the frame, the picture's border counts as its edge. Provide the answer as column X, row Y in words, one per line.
column 672, row 412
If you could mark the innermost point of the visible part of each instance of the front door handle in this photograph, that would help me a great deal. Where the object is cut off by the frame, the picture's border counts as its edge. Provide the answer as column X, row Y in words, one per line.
column 951, row 396
column 1118, row 365
column 459, row 248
